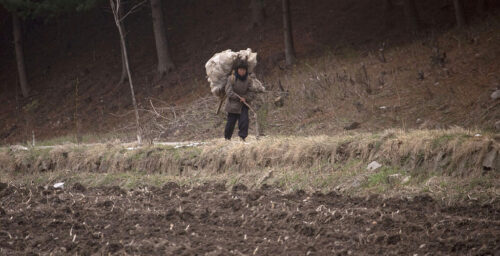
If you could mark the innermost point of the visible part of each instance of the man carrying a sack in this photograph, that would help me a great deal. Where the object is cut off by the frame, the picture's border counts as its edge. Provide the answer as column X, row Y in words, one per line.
column 238, row 92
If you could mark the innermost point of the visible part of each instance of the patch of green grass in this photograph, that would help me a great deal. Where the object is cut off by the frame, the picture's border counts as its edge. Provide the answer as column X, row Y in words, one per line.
column 375, row 136
column 325, row 181
column 65, row 139
column 483, row 182
column 289, row 180
column 126, row 180
column 191, row 152
column 446, row 138
column 262, row 115
column 426, row 190
column 441, row 140
column 163, row 147
column 176, row 154
column 108, row 179
column 444, row 185
column 403, row 160
column 33, row 154
column 419, row 176
column 139, row 154
column 182, row 153
column 380, row 180
column 39, row 180
column 86, row 138
column 233, row 180
column 419, row 158
column 377, row 145
column 350, row 166
column 78, row 149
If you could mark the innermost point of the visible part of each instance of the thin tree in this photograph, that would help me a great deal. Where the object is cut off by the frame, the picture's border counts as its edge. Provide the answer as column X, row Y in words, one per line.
column 122, row 50
column 287, row 31
column 165, row 63
column 459, row 13
column 411, row 14
column 115, row 8
column 18, row 43
column 29, row 9
column 258, row 12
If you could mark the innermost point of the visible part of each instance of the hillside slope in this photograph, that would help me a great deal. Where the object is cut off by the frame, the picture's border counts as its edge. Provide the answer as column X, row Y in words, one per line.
column 334, row 40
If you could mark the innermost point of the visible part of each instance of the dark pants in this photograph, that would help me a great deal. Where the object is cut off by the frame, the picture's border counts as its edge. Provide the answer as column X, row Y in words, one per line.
column 242, row 124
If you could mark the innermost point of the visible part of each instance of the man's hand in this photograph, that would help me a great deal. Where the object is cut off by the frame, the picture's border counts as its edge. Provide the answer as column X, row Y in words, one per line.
column 243, row 100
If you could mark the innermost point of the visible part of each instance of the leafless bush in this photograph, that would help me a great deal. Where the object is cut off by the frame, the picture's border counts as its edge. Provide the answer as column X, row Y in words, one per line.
column 162, row 119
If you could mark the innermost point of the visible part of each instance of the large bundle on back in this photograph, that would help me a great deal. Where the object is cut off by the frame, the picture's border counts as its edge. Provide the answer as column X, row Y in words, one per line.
column 219, row 68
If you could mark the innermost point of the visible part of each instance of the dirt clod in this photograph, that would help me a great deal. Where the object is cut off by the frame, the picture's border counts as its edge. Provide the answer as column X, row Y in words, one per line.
column 239, row 187
column 170, row 186
column 352, row 126
column 3, row 186
column 79, row 187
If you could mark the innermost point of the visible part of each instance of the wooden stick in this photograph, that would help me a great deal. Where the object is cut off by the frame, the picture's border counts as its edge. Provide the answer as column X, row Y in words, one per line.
column 220, row 105
column 255, row 114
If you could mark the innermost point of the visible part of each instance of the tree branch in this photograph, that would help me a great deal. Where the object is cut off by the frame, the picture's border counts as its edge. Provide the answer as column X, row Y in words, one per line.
column 133, row 9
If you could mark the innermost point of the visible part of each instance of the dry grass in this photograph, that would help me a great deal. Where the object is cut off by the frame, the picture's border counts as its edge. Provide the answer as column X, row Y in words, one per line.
column 458, row 150
column 453, row 156
column 350, row 84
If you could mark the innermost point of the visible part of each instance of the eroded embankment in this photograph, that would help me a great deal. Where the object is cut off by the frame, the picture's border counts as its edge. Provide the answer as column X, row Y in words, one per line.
column 453, row 152
column 320, row 161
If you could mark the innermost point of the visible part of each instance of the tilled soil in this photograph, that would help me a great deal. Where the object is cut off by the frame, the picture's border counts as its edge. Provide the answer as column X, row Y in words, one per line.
column 210, row 220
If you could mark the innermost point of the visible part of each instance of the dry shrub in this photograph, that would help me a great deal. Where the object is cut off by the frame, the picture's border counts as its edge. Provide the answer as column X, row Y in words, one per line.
column 190, row 121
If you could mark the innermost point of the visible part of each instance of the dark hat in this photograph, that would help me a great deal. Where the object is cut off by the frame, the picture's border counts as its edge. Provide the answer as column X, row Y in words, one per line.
column 241, row 63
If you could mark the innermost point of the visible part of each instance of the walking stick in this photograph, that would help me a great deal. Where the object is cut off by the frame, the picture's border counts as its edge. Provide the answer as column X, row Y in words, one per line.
column 249, row 107
column 255, row 114
column 220, row 104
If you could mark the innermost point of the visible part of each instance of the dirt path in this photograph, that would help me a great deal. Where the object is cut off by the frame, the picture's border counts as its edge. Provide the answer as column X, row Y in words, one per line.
column 210, row 220
column 129, row 146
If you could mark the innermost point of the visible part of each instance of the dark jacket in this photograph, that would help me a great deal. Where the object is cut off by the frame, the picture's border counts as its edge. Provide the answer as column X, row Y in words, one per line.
column 242, row 88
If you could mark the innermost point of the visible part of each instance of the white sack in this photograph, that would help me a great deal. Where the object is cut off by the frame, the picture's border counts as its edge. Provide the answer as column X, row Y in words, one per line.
column 256, row 85
column 219, row 68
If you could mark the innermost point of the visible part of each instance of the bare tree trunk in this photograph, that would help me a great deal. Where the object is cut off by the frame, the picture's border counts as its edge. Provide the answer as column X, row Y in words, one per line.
column 115, row 7
column 411, row 13
column 18, row 43
column 77, row 114
column 258, row 12
column 459, row 13
column 165, row 64
column 287, row 29
column 124, row 66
